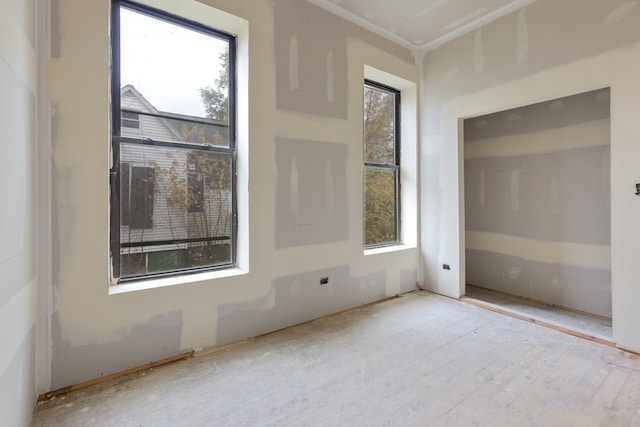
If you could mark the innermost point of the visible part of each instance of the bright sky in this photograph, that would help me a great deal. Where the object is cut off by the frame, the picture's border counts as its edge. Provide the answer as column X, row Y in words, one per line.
column 166, row 63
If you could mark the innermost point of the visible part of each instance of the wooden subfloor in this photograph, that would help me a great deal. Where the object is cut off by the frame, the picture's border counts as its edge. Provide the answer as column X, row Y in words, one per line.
column 418, row 360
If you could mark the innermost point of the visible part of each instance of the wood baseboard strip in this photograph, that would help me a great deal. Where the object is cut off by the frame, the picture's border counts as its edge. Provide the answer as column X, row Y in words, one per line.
column 537, row 301
column 64, row 390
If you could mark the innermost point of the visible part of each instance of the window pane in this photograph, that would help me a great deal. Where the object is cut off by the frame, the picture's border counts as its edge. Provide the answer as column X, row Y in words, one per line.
column 175, row 128
column 379, row 132
column 177, row 78
column 175, row 144
column 179, row 205
column 169, row 64
column 380, row 222
column 212, row 132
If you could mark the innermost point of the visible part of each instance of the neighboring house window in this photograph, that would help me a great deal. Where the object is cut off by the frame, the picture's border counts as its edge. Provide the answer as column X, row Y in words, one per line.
column 130, row 120
column 137, row 194
column 173, row 183
column 381, row 165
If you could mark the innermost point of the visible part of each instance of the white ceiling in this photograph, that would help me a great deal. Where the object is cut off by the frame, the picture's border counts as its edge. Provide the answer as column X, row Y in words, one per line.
column 421, row 25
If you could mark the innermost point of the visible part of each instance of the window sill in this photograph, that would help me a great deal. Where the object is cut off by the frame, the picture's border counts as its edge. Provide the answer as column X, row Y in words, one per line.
column 143, row 285
column 387, row 249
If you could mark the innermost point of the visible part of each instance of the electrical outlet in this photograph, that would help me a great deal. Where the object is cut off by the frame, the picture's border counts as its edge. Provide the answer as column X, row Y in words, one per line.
column 324, row 280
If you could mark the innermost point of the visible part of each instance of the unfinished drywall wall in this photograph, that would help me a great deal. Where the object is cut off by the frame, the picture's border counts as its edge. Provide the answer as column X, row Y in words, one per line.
column 538, row 177
column 18, row 285
column 311, row 57
column 300, row 296
column 543, row 34
column 165, row 330
column 92, row 322
column 546, row 51
column 296, row 296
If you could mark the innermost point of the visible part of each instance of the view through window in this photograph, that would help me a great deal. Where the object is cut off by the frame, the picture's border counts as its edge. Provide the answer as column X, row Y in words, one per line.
column 173, row 181
column 381, row 165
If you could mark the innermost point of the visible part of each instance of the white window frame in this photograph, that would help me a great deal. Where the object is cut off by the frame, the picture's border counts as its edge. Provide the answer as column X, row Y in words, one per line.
column 409, row 190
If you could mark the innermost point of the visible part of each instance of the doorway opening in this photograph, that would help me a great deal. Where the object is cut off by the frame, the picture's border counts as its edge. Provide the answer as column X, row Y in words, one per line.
column 538, row 212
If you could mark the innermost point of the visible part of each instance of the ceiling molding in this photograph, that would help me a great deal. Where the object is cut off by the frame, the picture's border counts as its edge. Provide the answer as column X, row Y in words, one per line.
column 475, row 24
column 360, row 21
column 334, row 8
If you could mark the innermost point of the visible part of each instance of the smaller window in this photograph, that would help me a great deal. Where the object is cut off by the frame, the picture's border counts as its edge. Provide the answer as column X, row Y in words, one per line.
column 381, row 165
column 130, row 120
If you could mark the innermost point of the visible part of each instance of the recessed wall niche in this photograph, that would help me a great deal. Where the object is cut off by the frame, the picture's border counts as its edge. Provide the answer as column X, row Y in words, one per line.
column 537, row 201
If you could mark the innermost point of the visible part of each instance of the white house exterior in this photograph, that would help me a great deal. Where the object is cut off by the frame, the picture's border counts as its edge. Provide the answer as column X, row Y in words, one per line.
column 164, row 193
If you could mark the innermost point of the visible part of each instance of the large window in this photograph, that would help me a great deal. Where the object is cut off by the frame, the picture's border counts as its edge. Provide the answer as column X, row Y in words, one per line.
column 381, row 165
column 173, row 202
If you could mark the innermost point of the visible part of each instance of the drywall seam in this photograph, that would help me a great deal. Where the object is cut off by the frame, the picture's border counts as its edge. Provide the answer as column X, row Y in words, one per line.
column 193, row 335
column 619, row 13
column 294, row 192
column 330, row 77
column 590, row 134
column 522, row 37
column 294, row 64
column 550, row 252
column 514, row 186
column 330, row 192
column 482, row 188
column 478, row 52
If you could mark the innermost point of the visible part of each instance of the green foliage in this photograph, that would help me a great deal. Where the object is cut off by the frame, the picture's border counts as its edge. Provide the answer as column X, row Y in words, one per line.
column 380, row 207
column 192, row 257
column 379, row 135
column 216, row 99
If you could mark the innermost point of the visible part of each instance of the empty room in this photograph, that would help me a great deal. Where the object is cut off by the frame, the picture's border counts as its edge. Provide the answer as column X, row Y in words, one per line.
column 319, row 212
